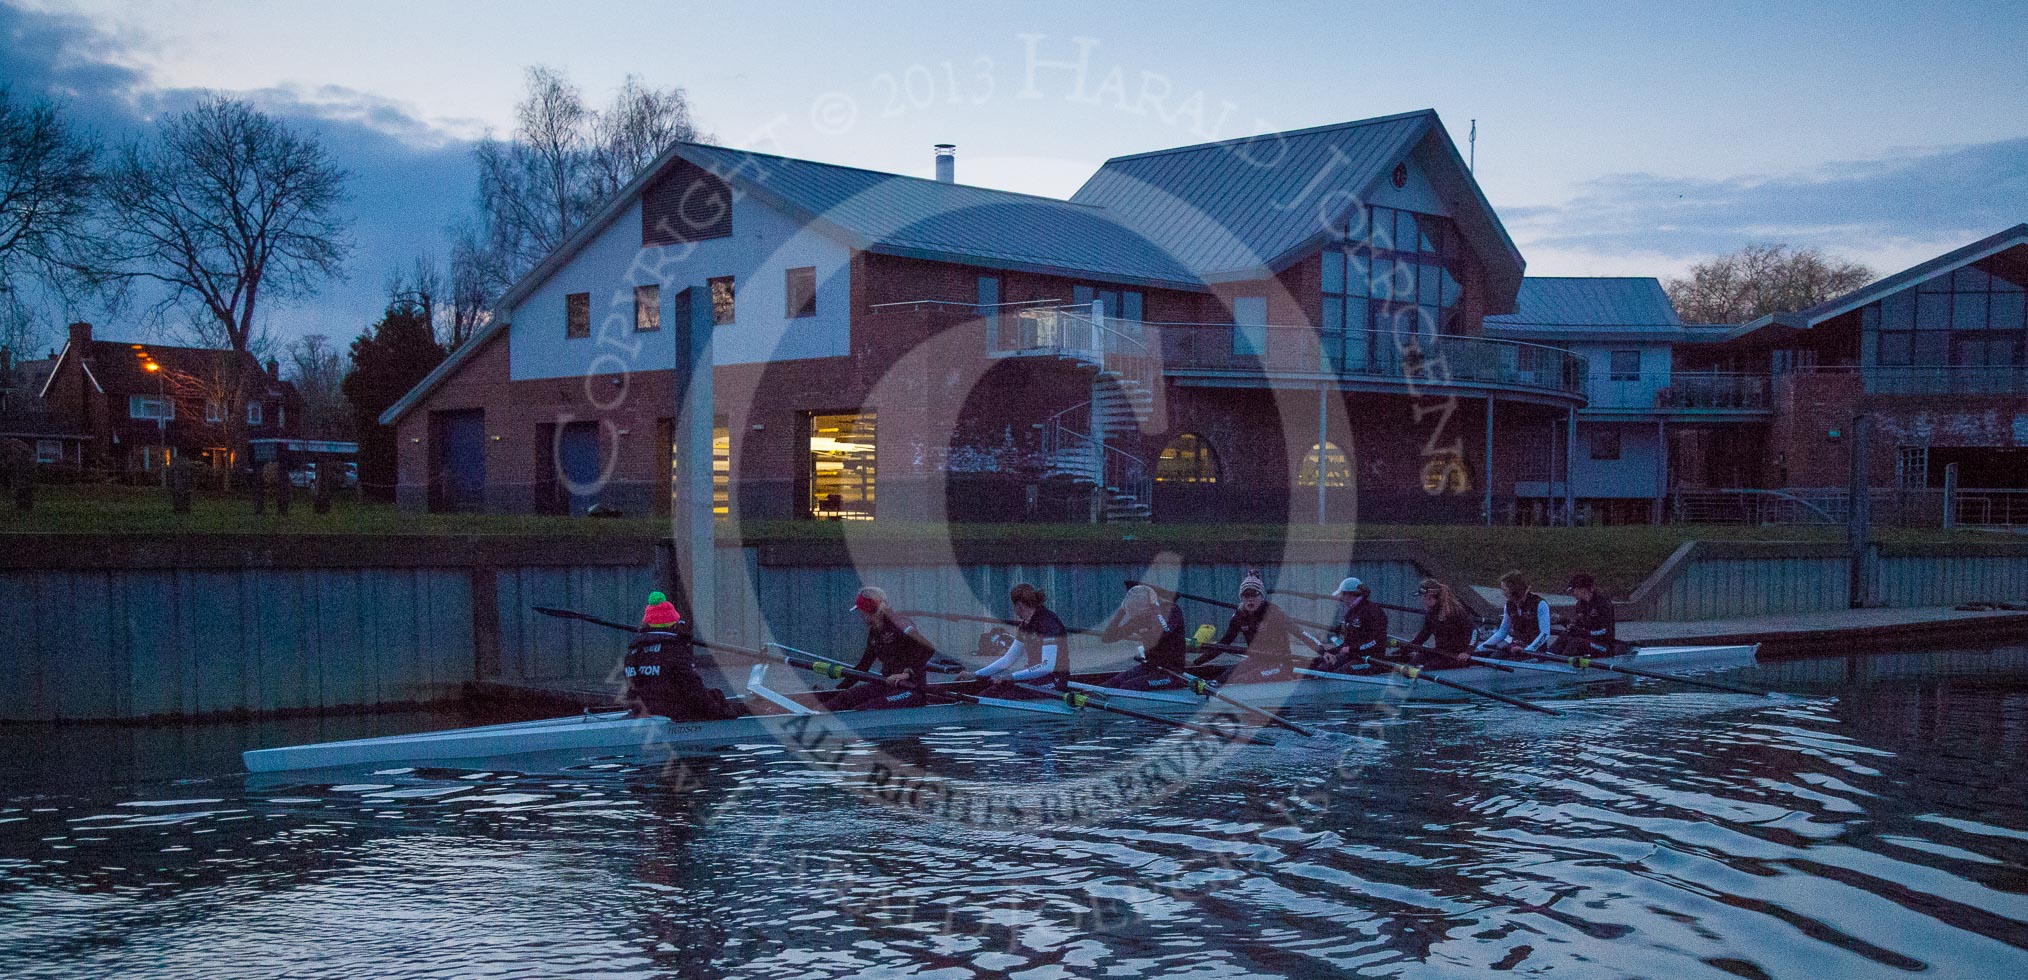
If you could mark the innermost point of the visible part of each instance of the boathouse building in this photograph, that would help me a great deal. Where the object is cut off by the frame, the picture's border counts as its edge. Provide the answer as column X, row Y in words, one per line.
column 1300, row 326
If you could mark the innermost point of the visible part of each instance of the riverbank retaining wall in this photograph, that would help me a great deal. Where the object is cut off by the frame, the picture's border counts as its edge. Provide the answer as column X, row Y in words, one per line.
column 111, row 628
column 1732, row 579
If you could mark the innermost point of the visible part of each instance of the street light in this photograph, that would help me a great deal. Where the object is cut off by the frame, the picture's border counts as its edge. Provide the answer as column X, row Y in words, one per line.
column 161, row 402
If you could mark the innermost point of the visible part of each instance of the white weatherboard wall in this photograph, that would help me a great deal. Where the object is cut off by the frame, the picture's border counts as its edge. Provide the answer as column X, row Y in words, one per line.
column 1606, row 394
column 1637, row 473
column 763, row 244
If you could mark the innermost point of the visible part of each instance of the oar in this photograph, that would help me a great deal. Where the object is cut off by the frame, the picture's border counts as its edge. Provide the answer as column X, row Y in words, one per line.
column 1583, row 663
column 1207, row 600
column 1079, row 699
column 1198, row 685
column 1406, row 645
column 1072, row 699
column 959, row 617
column 594, row 620
column 1418, row 673
column 1412, row 673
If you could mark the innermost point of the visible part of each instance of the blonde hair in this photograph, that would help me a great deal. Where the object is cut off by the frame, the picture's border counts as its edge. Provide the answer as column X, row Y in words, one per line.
column 1447, row 605
column 874, row 592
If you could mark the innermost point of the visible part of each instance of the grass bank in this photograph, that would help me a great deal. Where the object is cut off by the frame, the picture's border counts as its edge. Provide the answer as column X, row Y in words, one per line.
column 1621, row 557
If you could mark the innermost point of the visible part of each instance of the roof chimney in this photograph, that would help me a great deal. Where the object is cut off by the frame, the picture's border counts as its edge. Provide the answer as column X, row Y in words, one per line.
column 947, row 163
column 81, row 334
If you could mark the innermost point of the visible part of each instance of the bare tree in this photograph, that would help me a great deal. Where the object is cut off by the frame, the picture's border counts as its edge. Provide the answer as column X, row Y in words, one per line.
column 223, row 208
column 562, row 163
column 317, row 370
column 633, row 131
column 1761, row 279
column 48, row 180
column 413, row 291
column 475, row 277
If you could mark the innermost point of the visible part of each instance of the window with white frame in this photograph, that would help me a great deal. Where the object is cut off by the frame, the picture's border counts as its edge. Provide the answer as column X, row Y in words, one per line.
column 1911, row 467
column 214, row 411
column 151, row 407
column 48, row 450
column 253, row 413
column 1624, row 365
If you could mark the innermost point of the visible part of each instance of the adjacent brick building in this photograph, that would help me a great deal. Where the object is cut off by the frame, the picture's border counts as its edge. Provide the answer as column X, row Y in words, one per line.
column 131, row 418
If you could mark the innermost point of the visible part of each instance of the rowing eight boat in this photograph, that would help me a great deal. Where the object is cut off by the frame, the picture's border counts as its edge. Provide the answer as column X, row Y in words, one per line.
column 798, row 721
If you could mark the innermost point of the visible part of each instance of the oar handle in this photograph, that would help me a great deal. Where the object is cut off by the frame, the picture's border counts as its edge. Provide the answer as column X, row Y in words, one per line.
column 1079, row 699
column 1211, row 689
column 1418, row 673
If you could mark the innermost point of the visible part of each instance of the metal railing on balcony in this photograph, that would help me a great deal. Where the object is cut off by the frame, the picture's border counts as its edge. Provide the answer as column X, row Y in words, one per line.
column 1715, row 390
column 1988, row 507
column 1425, row 359
column 1082, row 333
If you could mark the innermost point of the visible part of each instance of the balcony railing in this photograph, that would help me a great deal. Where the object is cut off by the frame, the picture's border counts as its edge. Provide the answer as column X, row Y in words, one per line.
column 1084, row 333
column 1427, row 359
column 1714, row 390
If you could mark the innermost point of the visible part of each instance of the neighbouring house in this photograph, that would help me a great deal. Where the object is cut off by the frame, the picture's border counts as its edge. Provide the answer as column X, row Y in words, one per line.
column 141, row 406
column 25, row 419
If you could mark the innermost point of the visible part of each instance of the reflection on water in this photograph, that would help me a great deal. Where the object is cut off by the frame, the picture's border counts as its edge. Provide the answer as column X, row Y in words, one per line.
column 1875, row 828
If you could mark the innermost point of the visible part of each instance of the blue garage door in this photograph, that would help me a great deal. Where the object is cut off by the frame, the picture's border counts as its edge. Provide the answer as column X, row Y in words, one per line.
column 461, row 438
column 577, row 455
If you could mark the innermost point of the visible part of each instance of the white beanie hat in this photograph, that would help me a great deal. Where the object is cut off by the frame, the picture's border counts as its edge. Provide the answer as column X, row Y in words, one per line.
column 1349, row 586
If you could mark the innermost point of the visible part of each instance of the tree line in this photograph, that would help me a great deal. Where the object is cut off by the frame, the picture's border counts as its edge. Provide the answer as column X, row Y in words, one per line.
column 223, row 210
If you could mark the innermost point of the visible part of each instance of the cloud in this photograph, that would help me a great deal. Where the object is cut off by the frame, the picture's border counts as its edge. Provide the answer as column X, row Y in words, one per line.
column 409, row 177
column 1901, row 203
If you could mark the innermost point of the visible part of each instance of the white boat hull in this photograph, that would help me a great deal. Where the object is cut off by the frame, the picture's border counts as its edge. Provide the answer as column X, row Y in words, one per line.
column 616, row 731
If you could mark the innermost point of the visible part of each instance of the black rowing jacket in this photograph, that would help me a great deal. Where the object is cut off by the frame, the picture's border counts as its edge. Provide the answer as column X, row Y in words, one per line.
column 1266, row 629
column 1453, row 634
column 1158, row 631
column 1362, row 630
column 893, row 642
column 1591, row 623
column 662, row 678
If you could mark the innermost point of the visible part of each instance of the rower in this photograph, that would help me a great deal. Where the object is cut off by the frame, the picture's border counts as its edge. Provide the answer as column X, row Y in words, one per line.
column 1040, row 641
column 901, row 652
column 1158, row 628
column 1362, row 628
column 661, row 670
column 1524, row 623
column 1446, row 627
column 1267, row 632
column 1591, row 632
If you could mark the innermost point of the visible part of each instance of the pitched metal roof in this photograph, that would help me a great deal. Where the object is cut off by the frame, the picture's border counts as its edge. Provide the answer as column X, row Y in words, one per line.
column 1232, row 208
column 1570, row 307
column 1838, row 306
column 911, row 216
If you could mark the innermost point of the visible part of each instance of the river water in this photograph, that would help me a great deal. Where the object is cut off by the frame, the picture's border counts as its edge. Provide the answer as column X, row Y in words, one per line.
column 1875, row 826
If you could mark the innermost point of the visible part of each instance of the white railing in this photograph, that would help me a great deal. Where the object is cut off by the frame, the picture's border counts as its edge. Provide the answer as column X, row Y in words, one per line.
column 1084, row 333
column 1989, row 507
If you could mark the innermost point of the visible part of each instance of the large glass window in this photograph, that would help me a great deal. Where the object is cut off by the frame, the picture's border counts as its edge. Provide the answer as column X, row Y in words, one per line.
column 1972, row 318
column 1337, row 470
column 1390, row 284
column 721, row 471
column 1625, row 365
column 1189, row 459
column 841, row 466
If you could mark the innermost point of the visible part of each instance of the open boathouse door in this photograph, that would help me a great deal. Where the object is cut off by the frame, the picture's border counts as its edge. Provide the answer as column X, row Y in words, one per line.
column 458, row 480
